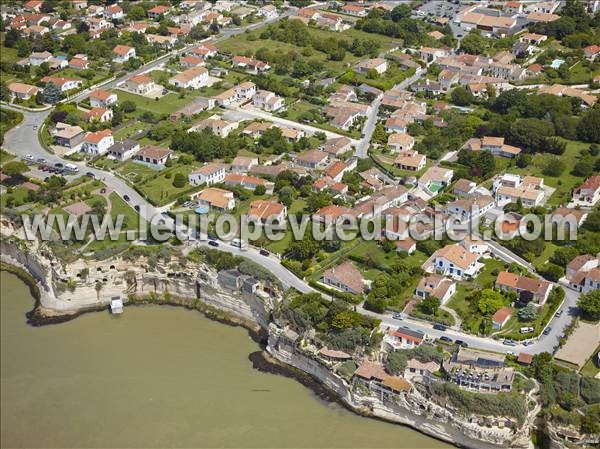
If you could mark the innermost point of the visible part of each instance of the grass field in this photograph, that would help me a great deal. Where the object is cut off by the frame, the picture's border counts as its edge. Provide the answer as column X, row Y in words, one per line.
column 164, row 105
column 135, row 172
column 160, row 190
column 248, row 43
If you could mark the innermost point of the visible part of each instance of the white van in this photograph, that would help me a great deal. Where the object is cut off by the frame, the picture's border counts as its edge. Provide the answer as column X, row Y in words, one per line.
column 526, row 330
column 72, row 168
column 238, row 243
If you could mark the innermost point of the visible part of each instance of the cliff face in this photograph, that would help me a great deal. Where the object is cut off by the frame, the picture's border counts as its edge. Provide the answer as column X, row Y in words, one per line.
column 411, row 409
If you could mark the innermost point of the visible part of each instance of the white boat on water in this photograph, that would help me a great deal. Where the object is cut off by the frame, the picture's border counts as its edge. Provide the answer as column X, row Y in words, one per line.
column 116, row 305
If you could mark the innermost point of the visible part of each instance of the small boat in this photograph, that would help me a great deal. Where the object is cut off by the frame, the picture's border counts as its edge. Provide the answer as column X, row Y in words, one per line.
column 116, row 305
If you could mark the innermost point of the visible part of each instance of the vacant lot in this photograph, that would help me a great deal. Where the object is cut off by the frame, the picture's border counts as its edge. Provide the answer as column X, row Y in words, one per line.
column 581, row 344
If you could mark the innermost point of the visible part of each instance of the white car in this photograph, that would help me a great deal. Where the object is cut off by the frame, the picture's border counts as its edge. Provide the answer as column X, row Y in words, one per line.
column 29, row 157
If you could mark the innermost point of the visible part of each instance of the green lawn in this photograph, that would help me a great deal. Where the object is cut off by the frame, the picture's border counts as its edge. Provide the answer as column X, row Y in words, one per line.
column 136, row 172
column 590, row 369
column 164, row 105
column 120, row 207
column 130, row 129
column 563, row 184
column 160, row 190
column 5, row 157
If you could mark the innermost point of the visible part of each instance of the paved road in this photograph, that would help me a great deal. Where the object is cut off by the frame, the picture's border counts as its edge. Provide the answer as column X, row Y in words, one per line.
column 362, row 148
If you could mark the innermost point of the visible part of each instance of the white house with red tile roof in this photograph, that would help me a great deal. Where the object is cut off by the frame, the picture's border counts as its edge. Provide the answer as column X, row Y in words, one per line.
column 98, row 142
column 158, row 11
column 100, row 98
column 250, row 65
column 192, row 78
column 153, row 156
column 113, row 12
column 501, row 317
column 588, row 193
column 123, row 53
column 208, row 174
column 267, row 210
column 437, row 286
column 454, row 261
column 22, row 91
column 140, row 84
column 63, row 83
column 98, row 114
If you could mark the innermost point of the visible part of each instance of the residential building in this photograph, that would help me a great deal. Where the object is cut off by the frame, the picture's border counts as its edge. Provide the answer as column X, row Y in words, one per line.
column 511, row 188
column 140, row 84
column 158, row 11
column 312, row 159
column 243, row 164
column 248, row 182
column 100, row 98
column 153, row 156
column 192, row 78
column 217, row 125
column 124, row 150
column 467, row 209
column 495, row 145
column 400, row 142
column 268, row 12
column 22, row 91
column 101, row 115
column 68, row 136
column 454, row 261
column 96, row 143
column 410, row 160
column 113, row 12
column 379, row 65
column 354, row 10
column 208, row 174
column 215, row 198
column 404, row 338
column 336, row 146
column 63, row 83
column 463, row 188
column 268, row 101
column 501, row 317
column 437, row 286
column 345, row 277
column 123, row 53
column 250, row 65
column 588, row 193
column 527, row 289
column 436, row 178
column 583, row 273
column 266, row 210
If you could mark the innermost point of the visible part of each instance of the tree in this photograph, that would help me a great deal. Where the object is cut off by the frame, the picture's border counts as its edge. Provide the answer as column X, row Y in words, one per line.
column 563, row 255
column 379, row 134
column 52, row 93
column 128, row 106
column 430, row 305
column 460, row 96
column 136, row 13
column 14, row 168
column 489, row 301
column 588, row 129
column 551, row 271
column 528, row 313
column 554, row 167
column 260, row 190
column 179, row 180
column 589, row 303
column 396, row 362
column 584, row 168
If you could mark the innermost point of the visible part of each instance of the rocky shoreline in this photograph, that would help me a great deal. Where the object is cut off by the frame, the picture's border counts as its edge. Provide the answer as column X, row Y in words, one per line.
column 228, row 309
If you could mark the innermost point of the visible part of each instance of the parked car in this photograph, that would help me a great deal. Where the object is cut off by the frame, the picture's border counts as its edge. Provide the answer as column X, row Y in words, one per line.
column 527, row 342
column 547, row 330
column 137, row 207
column 29, row 157
column 239, row 243
column 440, row 327
column 446, row 339
column 211, row 236
column 462, row 343
column 213, row 243
column 41, row 160
column 398, row 316
column 526, row 330
column 264, row 252
column 126, row 197
column 558, row 313
column 59, row 165
column 508, row 342
column 90, row 174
